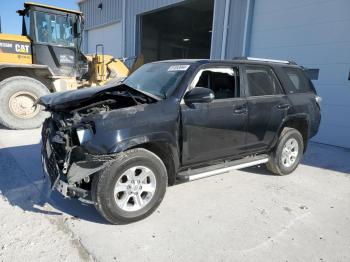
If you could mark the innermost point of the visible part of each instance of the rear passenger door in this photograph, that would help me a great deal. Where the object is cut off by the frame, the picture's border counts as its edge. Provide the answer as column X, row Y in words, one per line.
column 267, row 105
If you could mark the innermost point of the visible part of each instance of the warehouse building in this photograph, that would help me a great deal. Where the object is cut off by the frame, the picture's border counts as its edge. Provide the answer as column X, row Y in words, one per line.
column 314, row 33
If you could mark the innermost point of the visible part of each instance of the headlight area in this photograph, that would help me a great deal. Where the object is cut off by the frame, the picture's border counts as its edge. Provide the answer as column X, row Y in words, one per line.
column 66, row 161
column 84, row 134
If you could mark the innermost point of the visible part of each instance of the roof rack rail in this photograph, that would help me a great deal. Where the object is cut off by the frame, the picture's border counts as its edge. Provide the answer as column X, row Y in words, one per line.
column 266, row 60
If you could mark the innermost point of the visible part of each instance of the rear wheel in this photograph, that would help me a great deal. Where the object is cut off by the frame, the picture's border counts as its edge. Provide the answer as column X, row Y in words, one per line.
column 18, row 95
column 288, row 153
column 131, row 188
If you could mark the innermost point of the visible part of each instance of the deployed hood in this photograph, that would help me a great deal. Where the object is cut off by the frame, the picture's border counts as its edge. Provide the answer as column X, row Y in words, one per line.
column 70, row 100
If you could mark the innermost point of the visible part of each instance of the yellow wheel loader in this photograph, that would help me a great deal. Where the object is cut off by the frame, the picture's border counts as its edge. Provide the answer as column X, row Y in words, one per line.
column 46, row 58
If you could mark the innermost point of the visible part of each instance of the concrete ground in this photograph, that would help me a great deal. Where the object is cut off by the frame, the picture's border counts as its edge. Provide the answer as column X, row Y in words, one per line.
column 247, row 215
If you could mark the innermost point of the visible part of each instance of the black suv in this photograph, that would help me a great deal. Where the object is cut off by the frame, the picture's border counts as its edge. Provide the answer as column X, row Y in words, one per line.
column 119, row 146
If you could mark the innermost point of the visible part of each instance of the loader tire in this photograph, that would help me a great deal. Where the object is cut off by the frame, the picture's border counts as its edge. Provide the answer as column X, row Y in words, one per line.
column 17, row 97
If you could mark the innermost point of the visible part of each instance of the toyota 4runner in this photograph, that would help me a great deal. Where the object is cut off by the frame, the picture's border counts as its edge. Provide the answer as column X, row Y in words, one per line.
column 119, row 146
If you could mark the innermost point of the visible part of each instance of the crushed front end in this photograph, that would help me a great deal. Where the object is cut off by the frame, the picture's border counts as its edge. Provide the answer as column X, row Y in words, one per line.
column 66, row 160
column 66, row 164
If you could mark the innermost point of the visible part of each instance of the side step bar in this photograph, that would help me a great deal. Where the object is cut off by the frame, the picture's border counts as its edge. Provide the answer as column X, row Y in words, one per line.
column 194, row 174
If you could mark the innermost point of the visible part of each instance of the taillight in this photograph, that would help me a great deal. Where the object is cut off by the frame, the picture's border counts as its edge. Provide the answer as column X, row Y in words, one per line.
column 318, row 100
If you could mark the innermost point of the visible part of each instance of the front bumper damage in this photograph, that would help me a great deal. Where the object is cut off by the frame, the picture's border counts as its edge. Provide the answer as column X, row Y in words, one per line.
column 70, row 170
column 56, row 176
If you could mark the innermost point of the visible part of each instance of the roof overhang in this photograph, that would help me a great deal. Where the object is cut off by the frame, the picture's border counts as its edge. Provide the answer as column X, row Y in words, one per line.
column 27, row 4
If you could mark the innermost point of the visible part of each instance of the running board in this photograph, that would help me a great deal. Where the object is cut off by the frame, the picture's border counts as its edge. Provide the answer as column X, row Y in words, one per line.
column 194, row 174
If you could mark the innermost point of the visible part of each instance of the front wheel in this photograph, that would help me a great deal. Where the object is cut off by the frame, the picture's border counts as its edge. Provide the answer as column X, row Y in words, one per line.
column 288, row 152
column 131, row 188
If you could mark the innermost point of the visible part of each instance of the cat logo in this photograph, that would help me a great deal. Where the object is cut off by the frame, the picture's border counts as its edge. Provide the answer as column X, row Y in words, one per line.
column 22, row 48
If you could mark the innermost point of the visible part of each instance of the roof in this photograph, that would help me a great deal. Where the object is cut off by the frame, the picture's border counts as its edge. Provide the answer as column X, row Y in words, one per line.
column 52, row 7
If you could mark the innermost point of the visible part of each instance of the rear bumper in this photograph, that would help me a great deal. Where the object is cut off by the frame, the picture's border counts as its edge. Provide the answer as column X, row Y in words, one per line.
column 316, row 122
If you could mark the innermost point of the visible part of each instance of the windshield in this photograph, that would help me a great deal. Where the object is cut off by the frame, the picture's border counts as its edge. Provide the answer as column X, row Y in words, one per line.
column 54, row 29
column 158, row 79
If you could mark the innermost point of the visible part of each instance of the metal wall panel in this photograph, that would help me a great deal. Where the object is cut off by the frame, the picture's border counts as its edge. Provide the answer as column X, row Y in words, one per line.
column 316, row 35
column 235, row 29
column 109, row 36
column 235, row 34
column 218, row 29
column 111, row 12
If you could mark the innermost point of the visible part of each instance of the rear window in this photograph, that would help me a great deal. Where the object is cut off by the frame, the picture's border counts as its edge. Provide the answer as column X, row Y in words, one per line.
column 297, row 81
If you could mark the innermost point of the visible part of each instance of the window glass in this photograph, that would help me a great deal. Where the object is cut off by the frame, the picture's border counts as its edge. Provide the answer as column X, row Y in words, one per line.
column 221, row 81
column 54, row 29
column 159, row 79
column 261, row 81
column 312, row 73
column 27, row 23
column 298, row 82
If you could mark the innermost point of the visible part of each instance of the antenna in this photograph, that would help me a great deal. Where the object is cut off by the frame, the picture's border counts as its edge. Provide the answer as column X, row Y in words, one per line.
column 0, row 26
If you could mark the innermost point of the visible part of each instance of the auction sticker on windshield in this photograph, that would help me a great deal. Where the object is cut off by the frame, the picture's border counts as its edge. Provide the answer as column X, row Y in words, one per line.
column 178, row 67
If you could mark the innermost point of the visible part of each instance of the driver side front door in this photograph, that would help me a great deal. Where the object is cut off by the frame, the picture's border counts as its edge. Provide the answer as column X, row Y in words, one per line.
column 218, row 129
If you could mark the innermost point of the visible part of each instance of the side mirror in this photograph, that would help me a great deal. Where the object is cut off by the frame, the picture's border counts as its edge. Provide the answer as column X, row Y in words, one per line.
column 199, row 95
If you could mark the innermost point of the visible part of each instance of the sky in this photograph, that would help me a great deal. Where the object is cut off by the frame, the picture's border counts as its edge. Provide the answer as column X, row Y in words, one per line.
column 11, row 22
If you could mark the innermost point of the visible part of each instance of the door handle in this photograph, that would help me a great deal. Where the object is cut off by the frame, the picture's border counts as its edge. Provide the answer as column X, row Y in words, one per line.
column 240, row 110
column 283, row 106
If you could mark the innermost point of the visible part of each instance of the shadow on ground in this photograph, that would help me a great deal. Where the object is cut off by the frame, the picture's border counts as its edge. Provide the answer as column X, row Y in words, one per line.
column 328, row 157
column 318, row 155
column 23, row 184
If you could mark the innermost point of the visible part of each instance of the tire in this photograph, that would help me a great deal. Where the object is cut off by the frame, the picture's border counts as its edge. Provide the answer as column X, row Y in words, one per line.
column 23, row 87
column 121, row 206
column 279, row 163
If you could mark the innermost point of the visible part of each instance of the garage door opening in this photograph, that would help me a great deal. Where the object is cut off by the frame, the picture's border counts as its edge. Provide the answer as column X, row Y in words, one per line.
column 181, row 31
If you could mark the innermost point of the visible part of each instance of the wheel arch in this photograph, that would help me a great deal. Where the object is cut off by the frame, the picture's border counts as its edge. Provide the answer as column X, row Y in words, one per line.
column 299, row 122
column 160, row 144
column 164, row 151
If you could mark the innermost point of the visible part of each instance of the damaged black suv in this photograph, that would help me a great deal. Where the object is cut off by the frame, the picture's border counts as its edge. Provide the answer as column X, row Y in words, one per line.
column 119, row 146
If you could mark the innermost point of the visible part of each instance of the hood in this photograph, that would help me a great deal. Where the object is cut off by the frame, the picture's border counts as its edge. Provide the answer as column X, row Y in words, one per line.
column 70, row 100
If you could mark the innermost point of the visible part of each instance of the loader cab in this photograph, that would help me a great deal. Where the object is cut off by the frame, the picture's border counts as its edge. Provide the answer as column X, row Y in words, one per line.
column 56, row 36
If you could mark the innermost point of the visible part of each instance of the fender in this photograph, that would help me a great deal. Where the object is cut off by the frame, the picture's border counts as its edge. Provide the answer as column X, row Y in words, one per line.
column 156, row 137
column 162, row 140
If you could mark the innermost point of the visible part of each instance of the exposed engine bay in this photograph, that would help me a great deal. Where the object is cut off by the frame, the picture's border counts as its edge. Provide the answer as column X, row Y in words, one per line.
column 71, row 125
